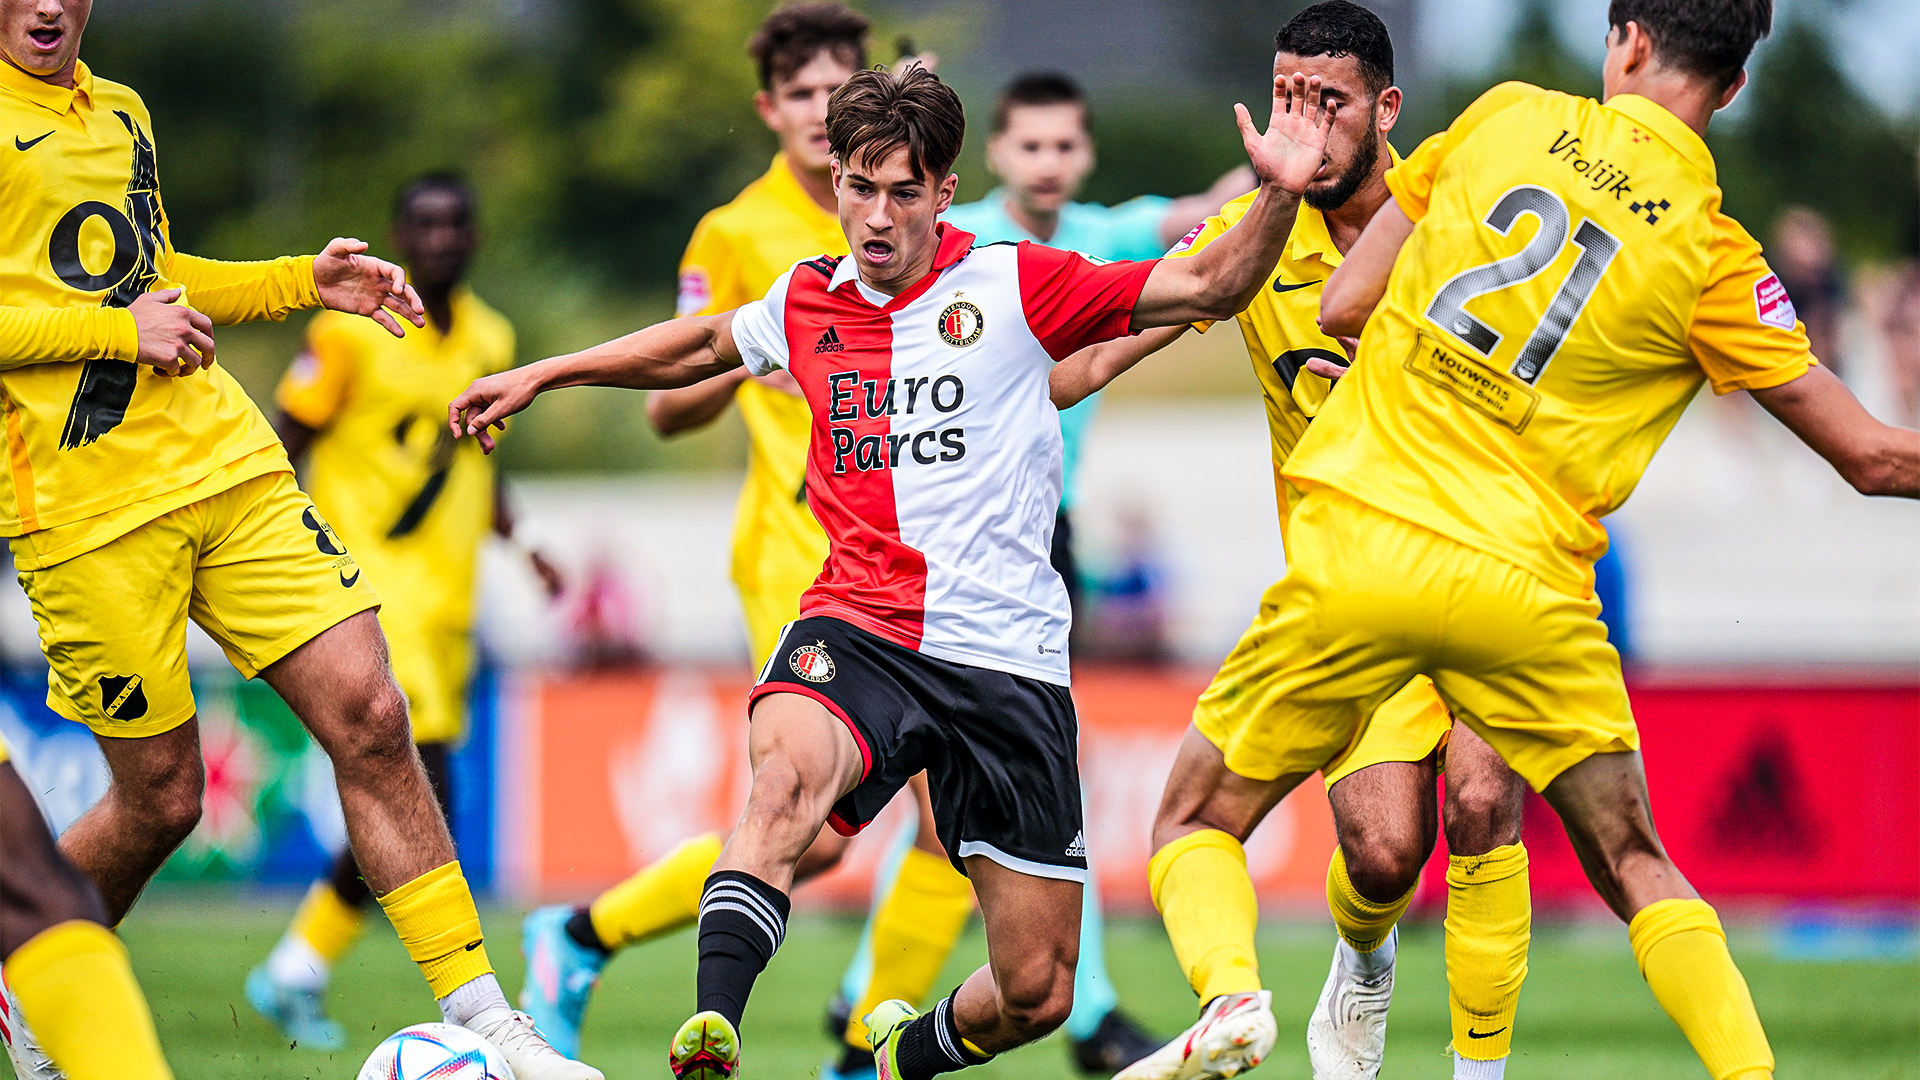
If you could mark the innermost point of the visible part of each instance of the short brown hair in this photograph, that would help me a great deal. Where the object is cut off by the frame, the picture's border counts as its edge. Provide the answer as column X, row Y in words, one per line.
column 792, row 36
column 879, row 111
column 1040, row 88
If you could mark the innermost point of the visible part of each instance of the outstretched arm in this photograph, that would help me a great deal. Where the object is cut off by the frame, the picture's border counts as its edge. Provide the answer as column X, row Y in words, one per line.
column 1081, row 375
column 1876, row 458
column 678, row 352
column 1355, row 289
column 674, row 411
column 1220, row 281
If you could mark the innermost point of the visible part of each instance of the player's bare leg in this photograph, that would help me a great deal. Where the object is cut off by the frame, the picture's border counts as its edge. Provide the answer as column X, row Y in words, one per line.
column 1676, row 937
column 1024, row 992
column 341, row 687
column 1489, row 903
column 804, row 759
column 152, row 803
column 64, row 969
column 1199, row 879
column 1385, row 818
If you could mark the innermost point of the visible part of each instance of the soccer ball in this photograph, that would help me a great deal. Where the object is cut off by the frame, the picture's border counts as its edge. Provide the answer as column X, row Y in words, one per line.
column 435, row 1052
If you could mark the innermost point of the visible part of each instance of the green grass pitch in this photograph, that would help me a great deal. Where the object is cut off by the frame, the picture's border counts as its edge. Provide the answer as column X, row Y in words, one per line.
column 1585, row 1011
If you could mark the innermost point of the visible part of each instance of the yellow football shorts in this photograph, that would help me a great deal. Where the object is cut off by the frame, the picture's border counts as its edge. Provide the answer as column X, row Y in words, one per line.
column 255, row 565
column 1370, row 602
column 433, row 666
column 1234, row 711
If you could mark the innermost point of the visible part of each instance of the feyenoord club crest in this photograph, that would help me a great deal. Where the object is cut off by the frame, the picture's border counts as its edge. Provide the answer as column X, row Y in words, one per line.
column 812, row 663
column 961, row 324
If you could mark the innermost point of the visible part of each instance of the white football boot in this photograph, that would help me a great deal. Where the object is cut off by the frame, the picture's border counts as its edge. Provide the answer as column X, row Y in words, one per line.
column 30, row 1062
column 1235, row 1032
column 1347, row 1034
column 527, row 1051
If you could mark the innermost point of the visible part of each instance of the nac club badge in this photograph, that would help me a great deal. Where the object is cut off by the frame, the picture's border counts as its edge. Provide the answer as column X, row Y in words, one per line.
column 812, row 663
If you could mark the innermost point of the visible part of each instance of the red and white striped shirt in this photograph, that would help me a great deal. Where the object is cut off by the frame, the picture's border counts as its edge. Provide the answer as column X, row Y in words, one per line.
column 935, row 458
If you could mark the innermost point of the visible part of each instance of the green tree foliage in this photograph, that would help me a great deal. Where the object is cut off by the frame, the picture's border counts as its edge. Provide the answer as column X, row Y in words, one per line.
column 1808, row 137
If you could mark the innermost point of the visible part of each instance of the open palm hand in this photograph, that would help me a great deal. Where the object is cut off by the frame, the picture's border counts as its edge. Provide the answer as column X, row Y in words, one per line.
column 352, row 281
column 1292, row 148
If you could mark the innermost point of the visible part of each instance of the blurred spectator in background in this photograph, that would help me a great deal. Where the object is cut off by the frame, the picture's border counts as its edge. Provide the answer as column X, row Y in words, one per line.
column 1129, row 606
column 1899, row 320
column 1802, row 255
column 605, row 618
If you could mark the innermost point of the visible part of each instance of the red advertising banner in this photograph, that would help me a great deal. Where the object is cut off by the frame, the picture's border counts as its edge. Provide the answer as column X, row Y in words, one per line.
column 1760, row 793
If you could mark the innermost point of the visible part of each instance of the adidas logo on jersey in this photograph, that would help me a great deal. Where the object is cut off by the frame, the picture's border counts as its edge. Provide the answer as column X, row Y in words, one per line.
column 1078, row 849
column 829, row 342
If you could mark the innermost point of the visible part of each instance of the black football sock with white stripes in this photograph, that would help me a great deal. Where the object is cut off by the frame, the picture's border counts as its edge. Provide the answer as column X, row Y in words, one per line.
column 742, row 921
column 932, row 1045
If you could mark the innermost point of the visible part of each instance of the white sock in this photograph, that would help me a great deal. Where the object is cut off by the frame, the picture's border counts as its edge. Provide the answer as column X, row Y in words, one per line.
column 1469, row 1069
column 1370, row 966
column 476, row 1004
column 294, row 962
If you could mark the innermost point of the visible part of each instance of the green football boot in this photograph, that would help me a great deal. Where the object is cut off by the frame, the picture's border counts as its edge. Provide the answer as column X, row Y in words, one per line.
column 706, row 1048
column 884, row 1026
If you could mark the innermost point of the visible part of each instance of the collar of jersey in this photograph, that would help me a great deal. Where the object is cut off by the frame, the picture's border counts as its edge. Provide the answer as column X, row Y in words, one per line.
column 783, row 185
column 1670, row 128
column 58, row 99
column 954, row 245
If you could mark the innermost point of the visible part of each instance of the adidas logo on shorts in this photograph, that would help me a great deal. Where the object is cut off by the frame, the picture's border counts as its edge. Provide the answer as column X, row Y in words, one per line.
column 1078, row 849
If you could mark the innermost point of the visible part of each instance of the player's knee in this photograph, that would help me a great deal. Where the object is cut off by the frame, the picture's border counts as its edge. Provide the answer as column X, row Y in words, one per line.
column 1480, row 818
column 379, row 736
column 1383, row 868
column 170, row 803
column 1038, row 998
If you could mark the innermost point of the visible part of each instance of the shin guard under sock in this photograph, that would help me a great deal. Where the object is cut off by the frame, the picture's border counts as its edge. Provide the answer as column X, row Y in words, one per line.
column 742, row 922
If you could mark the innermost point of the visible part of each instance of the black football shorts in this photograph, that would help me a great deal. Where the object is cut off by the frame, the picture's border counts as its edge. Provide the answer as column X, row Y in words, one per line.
column 1001, row 751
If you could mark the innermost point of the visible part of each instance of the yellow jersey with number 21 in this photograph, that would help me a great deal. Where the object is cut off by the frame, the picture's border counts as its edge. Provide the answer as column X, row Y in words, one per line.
column 1569, row 285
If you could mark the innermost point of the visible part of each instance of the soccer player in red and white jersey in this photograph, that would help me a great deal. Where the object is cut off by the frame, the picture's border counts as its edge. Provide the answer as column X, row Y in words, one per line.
column 936, row 635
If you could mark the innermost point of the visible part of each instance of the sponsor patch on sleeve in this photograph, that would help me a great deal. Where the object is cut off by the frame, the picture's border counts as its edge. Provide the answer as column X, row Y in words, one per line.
column 1187, row 240
column 696, row 292
column 305, row 370
column 1772, row 304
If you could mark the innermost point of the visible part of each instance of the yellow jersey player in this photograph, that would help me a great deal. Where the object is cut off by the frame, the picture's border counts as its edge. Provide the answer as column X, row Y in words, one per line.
column 1382, row 787
column 58, row 963
column 145, row 489
column 803, row 52
column 415, row 509
column 1551, row 283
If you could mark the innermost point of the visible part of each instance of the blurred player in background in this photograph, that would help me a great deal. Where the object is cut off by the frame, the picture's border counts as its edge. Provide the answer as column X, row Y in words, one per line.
column 147, row 489
column 803, row 52
column 1550, row 285
column 415, row 508
column 1382, row 788
column 1042, row 147
column 59, row 961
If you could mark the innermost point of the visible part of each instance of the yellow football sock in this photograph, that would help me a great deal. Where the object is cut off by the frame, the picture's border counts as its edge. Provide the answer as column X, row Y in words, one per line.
column 661, row 897
column 1489, row 925
column 326, row 922
column 1201, row 886
column 76, row 988
column 913, row 931
column 1682, row 951
column 1363, row 923
column 437, row 922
